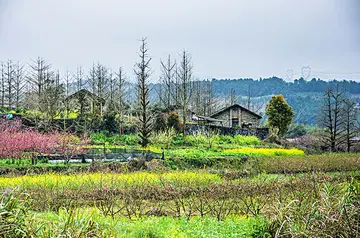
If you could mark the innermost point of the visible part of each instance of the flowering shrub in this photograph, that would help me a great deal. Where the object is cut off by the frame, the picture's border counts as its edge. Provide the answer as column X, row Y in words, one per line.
column 68, row 145
column 13, row 125
column 16, row 143
column 25, row 144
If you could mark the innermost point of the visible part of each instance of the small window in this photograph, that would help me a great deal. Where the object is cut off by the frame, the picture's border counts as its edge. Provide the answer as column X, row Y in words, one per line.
column 235, row 122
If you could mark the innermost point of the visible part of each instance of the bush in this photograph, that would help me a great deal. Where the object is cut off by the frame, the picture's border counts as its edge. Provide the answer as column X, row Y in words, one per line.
column 163, row 138
column 246, row 140
column 174, row 121
column 296, row 130
column 98, row 138
column 178, row 140
column 109, row 122
column 101, row 138
column 131, row 139
column 160, row 122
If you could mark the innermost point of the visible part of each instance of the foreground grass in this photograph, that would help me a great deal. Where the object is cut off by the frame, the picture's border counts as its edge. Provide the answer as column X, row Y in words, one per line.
column 82, row 223
column 306, row 207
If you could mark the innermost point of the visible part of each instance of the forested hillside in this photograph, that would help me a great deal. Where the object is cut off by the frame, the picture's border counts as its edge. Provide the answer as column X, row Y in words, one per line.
column 275, row 85
column 305, row 96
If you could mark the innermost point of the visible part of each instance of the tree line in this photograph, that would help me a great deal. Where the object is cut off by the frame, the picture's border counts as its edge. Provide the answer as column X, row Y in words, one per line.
column 275, row 85
column 41, row 88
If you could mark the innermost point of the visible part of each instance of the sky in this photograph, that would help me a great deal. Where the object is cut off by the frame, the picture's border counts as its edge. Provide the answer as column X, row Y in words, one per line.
column 226, row 38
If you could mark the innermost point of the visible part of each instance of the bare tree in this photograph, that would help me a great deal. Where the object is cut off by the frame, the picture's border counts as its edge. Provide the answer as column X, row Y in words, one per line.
column 233, row 97
column 2, row 85
column 9, row 83
column 38, row 78
column 121, row 90
column 203, row 99
column 99, row 83
column 168, row 75
column 51, row 96
column 350, row 118
column 331, row 118
column 184, row 86
column 38, row 74
column 67, row 81
column 249, row 101
column 112, row 91
column 79, row 79
column 121, row 93
column 19, row 84
column 142, row 72
column 209, row 101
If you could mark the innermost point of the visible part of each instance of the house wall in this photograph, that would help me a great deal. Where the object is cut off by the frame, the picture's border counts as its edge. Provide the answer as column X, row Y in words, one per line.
column 248, row 117
column 225, row 116
column 238, row 113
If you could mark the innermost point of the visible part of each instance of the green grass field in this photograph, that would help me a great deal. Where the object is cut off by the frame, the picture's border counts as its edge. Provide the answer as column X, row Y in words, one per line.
column 217, row 187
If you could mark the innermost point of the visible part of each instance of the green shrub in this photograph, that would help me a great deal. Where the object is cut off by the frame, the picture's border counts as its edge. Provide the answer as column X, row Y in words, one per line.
column 222, row 139
column 98, row 138
column 101, row 138
column 246, row 140
column 163, row 138
column 178, row 140
column 131, row 139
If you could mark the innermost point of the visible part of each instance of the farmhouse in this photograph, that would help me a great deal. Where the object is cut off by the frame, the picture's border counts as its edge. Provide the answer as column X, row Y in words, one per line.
column 231, row 116
column 86, row 101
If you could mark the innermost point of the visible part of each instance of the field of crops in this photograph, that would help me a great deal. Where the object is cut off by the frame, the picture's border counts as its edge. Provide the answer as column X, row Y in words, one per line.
column 217, row 186
column 188, row 202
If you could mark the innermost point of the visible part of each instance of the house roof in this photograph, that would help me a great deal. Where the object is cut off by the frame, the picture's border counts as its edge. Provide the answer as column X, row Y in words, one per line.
column 209, row 119
column 88, row 93
column 236, row 105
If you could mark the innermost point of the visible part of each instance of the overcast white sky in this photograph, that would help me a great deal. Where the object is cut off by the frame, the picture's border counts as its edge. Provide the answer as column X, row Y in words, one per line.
column 227, row 38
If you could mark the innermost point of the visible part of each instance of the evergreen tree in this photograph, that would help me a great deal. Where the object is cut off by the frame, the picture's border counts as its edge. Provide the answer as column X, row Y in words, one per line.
column 280, row 114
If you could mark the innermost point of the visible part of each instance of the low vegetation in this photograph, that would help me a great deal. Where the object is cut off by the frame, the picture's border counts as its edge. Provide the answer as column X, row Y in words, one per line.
column 264, row 205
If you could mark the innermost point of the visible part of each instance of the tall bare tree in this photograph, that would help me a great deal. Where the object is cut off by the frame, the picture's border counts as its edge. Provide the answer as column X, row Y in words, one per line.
column 233, row 97
column 120, row 84
column 249, row 95
column 9, row 82
column 142, row 72
column 52, row 95
column 19, row 84
column 331, row 118
column 38, row 78
column 79, row 79
column 167, row 78
column 184, row 86
column 112, row 91
column 99, row 83
column 2, row 81
column 350, row 122
column 67, row 82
